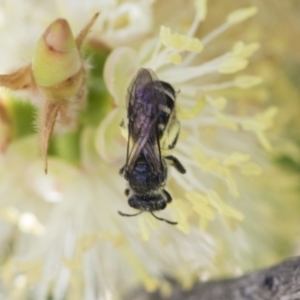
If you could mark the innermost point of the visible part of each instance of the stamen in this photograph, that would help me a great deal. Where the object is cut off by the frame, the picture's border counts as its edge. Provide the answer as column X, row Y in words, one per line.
column 241, row 50
column 188, row 114
column 241, row 15
column 218, row 86
column 218, row 103
column 251, row 169
column 232, row 65
column 201, row 7
column 174, row 58
column 215, row 33
column 188, row 73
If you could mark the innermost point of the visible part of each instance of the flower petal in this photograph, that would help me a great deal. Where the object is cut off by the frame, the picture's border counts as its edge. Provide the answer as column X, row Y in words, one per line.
column 108, row 138
column 120, row 67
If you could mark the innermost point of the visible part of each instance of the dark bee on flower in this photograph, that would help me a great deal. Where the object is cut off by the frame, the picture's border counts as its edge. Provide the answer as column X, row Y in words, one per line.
column 153, row 131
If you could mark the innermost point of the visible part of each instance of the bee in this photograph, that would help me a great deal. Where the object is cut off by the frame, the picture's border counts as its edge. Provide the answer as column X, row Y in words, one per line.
column 153, row 131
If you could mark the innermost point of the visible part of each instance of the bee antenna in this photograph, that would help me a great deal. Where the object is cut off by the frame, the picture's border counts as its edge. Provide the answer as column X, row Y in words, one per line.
column 161, row 219
column 128, row 215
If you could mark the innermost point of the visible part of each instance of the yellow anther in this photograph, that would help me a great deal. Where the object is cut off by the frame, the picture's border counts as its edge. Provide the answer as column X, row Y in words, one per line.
column 222, row 208
column 236, row 158
column 193, row 45
column 240, row 50
column 251, row 168
column 165, row 35
column 201, row 7
column 195, row 197
column 226, row 122
column 219, row 102
column 232, row 213
column 241, row 15
column 263, row 140
column 267, row 117
column 188, row 114
column 232, row 65
column 247, row 81
column 179, row 41
column 202, row 207
column 175, row 58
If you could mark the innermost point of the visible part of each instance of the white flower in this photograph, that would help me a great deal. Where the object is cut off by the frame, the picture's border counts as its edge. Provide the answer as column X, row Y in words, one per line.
column 21, row 25
column 69, row 241
column 211, row 147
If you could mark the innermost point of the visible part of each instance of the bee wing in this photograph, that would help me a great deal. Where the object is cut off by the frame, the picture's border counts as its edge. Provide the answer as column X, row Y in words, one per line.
column 144, row 96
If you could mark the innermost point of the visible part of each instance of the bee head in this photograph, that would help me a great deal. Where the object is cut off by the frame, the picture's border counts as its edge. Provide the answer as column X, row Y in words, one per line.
column 148, row 202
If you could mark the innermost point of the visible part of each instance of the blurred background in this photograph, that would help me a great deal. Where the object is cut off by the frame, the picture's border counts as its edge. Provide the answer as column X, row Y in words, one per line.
column 271, row 226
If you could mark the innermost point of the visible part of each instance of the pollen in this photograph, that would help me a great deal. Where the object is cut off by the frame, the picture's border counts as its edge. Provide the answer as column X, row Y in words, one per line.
column 232, row 65
column 175, row 58
column 247, row 81
column 241, row 15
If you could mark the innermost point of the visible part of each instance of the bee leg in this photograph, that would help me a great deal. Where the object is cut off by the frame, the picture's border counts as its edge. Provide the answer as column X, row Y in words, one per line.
column 176, row 163
column 122, row 124
column 168, row 196
column 127, row 192
column 122, row 170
